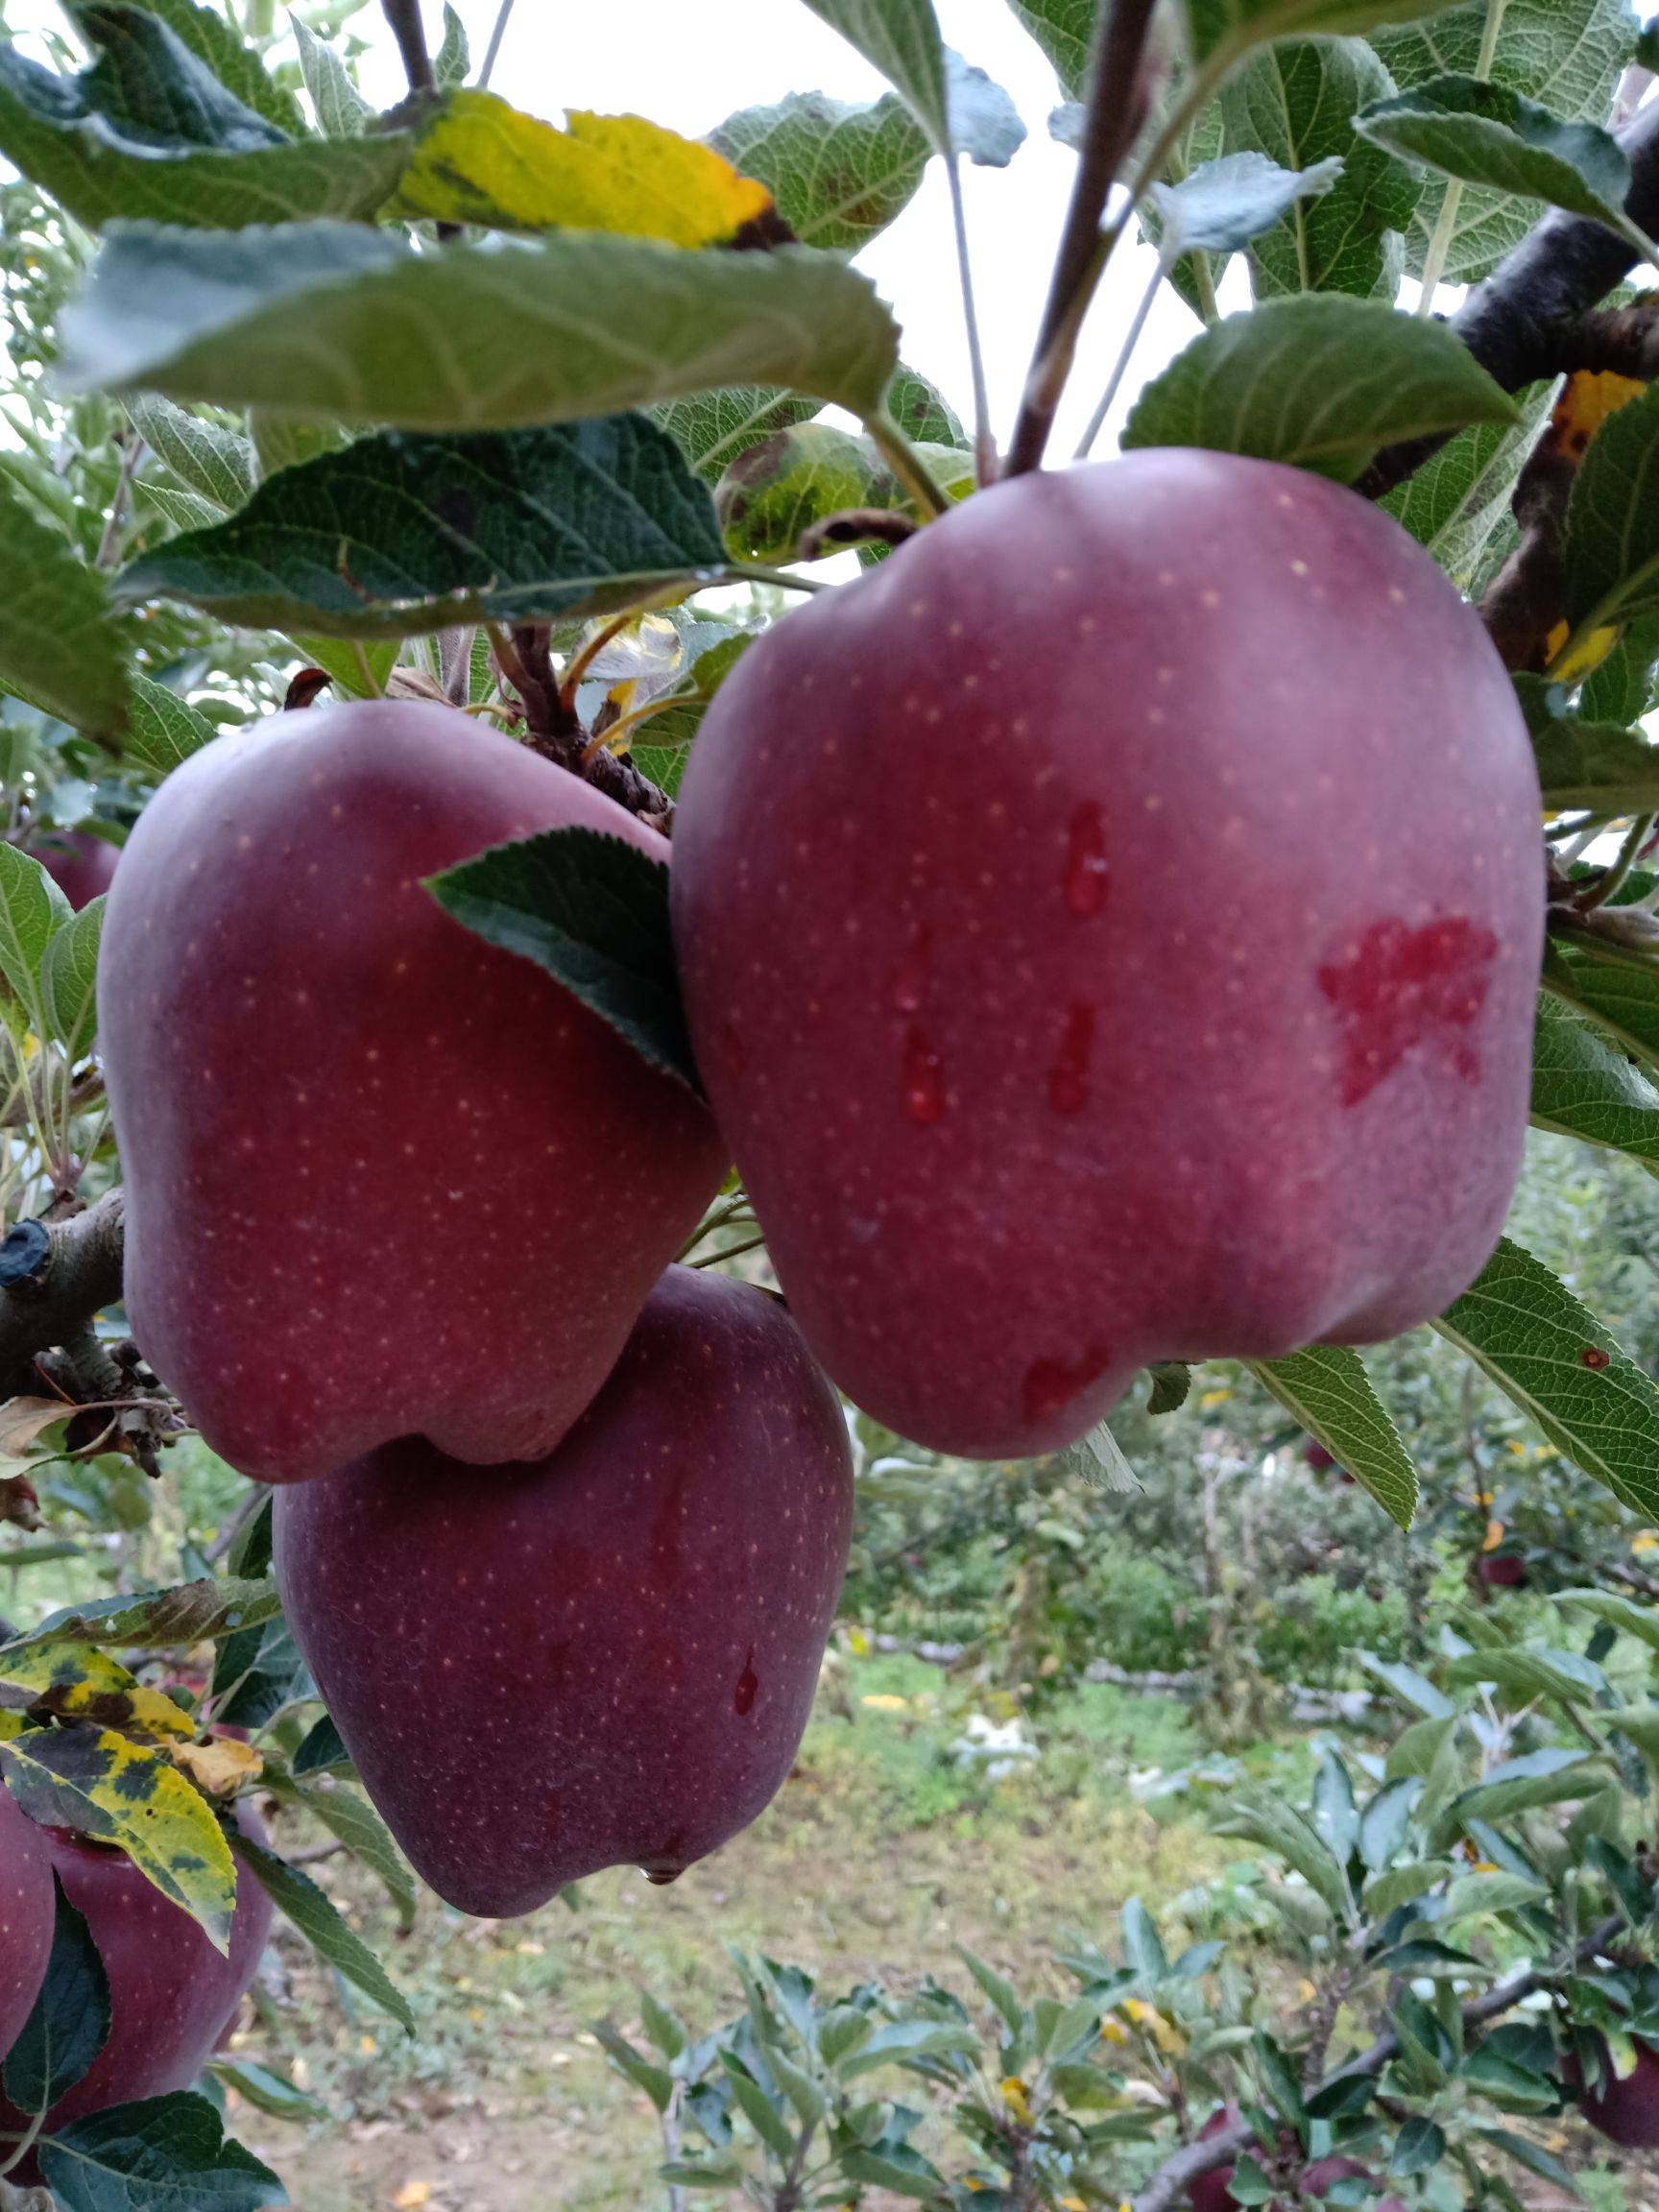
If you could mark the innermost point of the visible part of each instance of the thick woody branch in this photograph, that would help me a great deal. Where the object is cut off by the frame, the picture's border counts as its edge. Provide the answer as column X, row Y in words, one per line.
column 1177, row 2175
column 1528, row 321
column 76, row 1276
column 404, row 18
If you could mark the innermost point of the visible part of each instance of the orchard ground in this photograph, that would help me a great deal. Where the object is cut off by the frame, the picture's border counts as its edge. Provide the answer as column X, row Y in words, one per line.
column 882, row 1853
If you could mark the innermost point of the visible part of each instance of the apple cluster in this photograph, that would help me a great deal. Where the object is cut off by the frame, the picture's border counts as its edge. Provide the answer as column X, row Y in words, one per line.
column 1108, row 933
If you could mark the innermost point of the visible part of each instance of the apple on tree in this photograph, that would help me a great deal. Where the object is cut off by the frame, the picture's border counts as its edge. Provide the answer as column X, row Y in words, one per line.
column 25, row 1912
column 172, row 1993
column 80, row 864
column 382, row 1178
column 606, row 1656
column 1038, row 1060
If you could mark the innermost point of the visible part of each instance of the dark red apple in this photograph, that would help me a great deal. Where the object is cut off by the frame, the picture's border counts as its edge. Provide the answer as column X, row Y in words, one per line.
column 26, row 1914
column 381, row 1177
column 606, row 1657
column 1626, row 2111
column 1110, row 931
column 1501, row 1571
column 171, row 1993
column 1317, row 1456
column 80, row 864
column 1211, row 2192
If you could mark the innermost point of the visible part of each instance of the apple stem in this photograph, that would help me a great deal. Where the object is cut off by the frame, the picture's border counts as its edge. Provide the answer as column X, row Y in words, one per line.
column 907, row 465
column 496, row 35
column 1119, row 368
column 1115, row 102
column 987, row 465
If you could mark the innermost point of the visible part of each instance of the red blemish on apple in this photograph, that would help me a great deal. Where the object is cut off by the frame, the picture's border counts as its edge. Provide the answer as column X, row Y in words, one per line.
column 1068, row 1077
column 1086, row 862
column 747, row 1683
column 911, row 979
column 924, row 1078
column 1051, row 1384
column 1398, row 987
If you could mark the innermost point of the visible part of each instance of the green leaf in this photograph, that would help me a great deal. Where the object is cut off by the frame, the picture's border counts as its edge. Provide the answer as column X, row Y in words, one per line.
column 1493, row 135
column 399, row 535
column 118, row 1791
column 209, row 37
column 1472, row 1894
column 1612, row 548
column 279, row 441
column 1553, row 1359
column 899, row 2041
column 1269, row 1820
column 69, row 981
column 1386, row 1821
column 167, row 2154
column 359, row 670
column 156, row 1619
column 1620, row 689
column 654, row 2080
column 69, row 2024
column 1584, row 1087
column 1565, row 54
column 334, row 321
column 759, row 2109
column 1065, row 31
column 1550, row 1777
column 1223, row 204
column 350, row 1817
column 1223, row 29
column 163, row 728
column 773, row 494
column 1597, row 765
column 1142, row 1949
column 147, row 132
column 60, row 649
column 452, row 63
column 1320, row 382
column 984, row 123
column 1000, row 1994
column 340, row 109
column 900, row 38
column 31, row 908
column 839, row 173
column 297, row 1897
column 1398, row 1885
column 1534, row 2157
column 1328, row 1391
column 592, row 911
column 178, row 510
column 323, row 1751
column 267, row 2091
column 1419, row 2147
column 1295, row 103
column 922, row 412
column 1457, row 503
column 714, row 427
column 1621, row 1613
column 215, row 463
column 1171, row 1382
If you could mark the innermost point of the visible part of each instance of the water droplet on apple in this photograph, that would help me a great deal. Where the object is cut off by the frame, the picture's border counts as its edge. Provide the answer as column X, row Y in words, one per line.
column 1086, row 880
column 660, row 1877
column 924, row 1078
column 1068, row 1077
column 747, row 1683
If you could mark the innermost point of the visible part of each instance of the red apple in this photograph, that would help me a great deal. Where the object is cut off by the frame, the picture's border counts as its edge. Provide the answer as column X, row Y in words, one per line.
column 381, row 1177
column 1211, row 2192
column 1626, row 2111
column 1501, row 1571
column 1110, row 931
column 80, row 864
column 1317, row 1456
column 26, row 1913
column 604, row 1657
column 171, row 1993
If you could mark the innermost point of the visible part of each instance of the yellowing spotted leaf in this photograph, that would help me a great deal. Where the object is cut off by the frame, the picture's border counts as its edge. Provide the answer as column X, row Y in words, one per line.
column 220, row 1766
column 132, row 1796
column 1586, row 401
column 79, row 1682
column 1644, row 1540
column 483, row 162
column 1586, row 657
column 1015, row 2097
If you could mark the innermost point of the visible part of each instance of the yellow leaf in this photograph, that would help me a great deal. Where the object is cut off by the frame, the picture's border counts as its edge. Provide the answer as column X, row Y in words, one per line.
column 1644, row 1540
column 367, row 2046
column 1214, row 1398
column 1494, row 1536
column 860, row 1643
column 1306, row 1991
column 880, row 1701
column 130, row 1794
column 483, row 162
column 412, row 2195
column 221, row 1765
column 1113, row 2031
column 79, row 1682
column 1587, row 399
column 1015, row 2097
column 1585, row 659
column 22, row 1419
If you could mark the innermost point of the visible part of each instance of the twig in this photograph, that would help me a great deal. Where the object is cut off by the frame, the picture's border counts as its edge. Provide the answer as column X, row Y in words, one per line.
column 1119, row 368
column 1612, row 879
column 496, row 35
column 1175, row 2176
column 78, row 1274
column 985, row 460
column 110, row 545
column 1108, row 130
column 404, row 18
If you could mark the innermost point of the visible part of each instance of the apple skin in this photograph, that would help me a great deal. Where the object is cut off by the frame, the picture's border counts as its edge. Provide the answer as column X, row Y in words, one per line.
column 604, row 1658
column 381, row 1177
column 1626, row 2111
column 171, row 1993
column 1501, row 1571
column 26, row 1914
column 1110, row 932
column 80, row 864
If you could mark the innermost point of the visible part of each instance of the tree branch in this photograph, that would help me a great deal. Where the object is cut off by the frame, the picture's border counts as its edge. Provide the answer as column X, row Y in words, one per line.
column 1177, row 2175
column 77, row 1274
column 1109, row 125
column 1518, row 324
column 404, row 18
